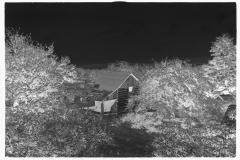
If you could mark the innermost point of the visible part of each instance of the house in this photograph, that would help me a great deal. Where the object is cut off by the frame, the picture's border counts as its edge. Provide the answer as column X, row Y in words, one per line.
column 118, row 86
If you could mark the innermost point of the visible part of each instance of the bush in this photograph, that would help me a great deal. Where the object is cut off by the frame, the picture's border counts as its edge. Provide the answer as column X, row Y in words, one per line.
column 212, row 140
column 141, row 121
column 62, row 133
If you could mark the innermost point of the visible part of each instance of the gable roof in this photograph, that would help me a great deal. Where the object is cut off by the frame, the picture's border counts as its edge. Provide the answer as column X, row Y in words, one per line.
column 111, row 80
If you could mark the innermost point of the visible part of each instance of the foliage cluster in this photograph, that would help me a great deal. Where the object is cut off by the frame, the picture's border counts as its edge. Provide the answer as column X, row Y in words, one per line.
column 211, row 140
column 38, row 120
column 221, row 70
column 174, row 89
column 65, row 132
column 178, row 104
column 123, row 66
column 34, row 75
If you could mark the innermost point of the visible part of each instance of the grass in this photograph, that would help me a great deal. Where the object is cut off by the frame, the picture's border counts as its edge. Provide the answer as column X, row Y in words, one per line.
column 128, row 142
column 209, row 140
column 172, row 141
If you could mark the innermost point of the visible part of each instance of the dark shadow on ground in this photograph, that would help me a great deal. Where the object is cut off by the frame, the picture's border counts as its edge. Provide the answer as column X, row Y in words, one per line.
column 128, row 142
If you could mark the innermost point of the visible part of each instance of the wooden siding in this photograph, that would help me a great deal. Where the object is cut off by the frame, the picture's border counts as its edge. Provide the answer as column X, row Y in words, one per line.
column 129, row 82
column 122, row 100
column 120, row 92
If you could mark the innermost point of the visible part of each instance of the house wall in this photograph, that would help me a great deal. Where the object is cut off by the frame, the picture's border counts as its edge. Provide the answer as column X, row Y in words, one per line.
column 130, row 82
column 122, row 100
column 121, row 95
column 114, row 108
column 107, row 105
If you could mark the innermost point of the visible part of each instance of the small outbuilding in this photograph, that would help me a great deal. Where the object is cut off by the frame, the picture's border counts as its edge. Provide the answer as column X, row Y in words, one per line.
column 119, row 86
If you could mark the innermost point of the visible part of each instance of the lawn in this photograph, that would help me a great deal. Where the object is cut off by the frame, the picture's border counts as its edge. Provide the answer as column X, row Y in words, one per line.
column 211, row 140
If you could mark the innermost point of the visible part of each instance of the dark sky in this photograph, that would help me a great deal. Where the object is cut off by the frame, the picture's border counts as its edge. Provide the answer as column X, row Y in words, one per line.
column 105, row 32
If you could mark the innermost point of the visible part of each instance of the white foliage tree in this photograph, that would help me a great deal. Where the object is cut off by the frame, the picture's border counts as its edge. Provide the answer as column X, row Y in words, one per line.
column 221, row 70
column 173, row 88
column 34, row 75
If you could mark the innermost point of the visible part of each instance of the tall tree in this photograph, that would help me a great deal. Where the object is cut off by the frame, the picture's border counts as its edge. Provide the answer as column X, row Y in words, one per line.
column 221, row 70
column 34, row 75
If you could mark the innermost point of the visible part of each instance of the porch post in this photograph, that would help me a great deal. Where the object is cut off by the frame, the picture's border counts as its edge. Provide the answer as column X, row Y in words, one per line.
column 102, row 109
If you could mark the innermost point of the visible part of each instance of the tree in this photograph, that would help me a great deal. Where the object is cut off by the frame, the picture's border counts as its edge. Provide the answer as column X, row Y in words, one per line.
column 38, row 122
column 34, row 75
column 221, row 70
column 123, row 66
column 174, row 88
column 174, row 107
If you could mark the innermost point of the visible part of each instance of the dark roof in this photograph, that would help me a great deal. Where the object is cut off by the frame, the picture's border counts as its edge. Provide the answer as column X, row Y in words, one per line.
column 111, row 80
column 227, row 97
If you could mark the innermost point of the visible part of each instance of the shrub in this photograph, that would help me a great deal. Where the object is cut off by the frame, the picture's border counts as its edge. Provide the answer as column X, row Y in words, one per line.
column 62, row 133
column 211, row 140
column 141, row 121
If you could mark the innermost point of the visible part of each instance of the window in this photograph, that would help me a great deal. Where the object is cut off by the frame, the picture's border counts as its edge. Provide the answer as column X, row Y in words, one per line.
column 130, row 89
